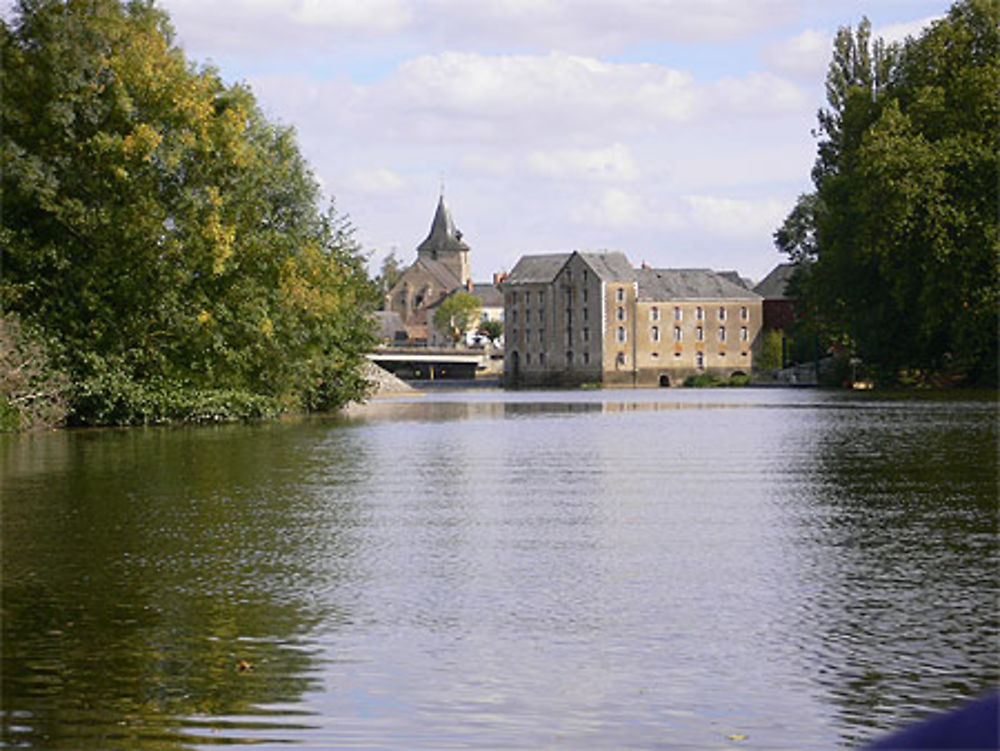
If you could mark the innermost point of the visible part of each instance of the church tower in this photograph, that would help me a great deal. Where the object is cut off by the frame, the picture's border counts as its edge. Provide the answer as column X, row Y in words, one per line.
column 444, row 245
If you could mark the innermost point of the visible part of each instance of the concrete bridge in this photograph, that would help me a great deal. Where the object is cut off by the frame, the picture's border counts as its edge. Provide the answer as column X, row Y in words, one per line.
column 430, row 363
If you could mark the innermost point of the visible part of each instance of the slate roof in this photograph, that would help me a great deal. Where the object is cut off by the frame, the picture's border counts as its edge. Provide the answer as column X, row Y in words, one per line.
column 537, row 268
column 774, row 285
column 443, row 235
column 689, row 284
column 610, row 266
column 489, row 295
column 441, row 273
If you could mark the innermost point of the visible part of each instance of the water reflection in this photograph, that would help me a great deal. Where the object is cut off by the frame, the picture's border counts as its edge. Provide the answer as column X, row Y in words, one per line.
column 899, row 540
column 157, row 581
column 579, row 570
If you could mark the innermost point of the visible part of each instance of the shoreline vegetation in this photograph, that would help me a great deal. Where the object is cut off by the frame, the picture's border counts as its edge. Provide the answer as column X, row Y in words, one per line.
column 164, row 257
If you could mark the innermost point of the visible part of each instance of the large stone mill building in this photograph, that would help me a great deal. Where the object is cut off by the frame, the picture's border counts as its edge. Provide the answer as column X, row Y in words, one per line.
column 579, row 317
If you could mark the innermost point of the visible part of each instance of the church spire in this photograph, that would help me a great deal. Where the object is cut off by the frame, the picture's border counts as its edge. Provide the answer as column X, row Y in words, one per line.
column 443, row 236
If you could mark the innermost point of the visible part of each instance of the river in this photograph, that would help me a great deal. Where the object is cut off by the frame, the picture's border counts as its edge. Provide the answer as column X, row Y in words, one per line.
column 691, row 569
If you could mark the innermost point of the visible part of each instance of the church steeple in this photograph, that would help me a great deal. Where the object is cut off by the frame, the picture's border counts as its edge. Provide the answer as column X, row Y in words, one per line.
column 444, row 243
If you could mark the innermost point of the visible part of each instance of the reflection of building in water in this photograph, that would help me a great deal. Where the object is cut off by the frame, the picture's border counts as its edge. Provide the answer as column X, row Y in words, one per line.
column 591, row 317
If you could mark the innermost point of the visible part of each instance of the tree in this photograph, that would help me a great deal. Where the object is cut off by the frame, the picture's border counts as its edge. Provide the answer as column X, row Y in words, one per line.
column 491, row 329
column 902, row 226
column 456, row 315
column 389, row 274
column 160, row 228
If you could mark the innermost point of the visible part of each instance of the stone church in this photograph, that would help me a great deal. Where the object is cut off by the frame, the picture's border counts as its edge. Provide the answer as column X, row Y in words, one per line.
column 442, row 266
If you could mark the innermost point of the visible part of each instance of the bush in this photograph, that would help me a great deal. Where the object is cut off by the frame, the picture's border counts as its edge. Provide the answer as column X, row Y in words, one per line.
column 33, row 391
column 112, row 397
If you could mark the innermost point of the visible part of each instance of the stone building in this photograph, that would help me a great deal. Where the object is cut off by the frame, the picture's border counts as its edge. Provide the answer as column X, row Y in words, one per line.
column 580, row 317
column 442, row 267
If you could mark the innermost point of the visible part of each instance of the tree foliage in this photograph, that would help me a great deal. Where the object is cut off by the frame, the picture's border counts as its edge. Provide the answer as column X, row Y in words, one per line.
column 901, row 232
column 160, row 227
column 456, row 315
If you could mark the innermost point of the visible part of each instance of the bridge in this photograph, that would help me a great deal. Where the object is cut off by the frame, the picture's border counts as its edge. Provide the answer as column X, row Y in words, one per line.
column 431, row 363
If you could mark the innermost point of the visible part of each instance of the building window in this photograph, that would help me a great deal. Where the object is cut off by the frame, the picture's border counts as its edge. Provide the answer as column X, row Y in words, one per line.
column 699, row 313
column 569, row 357
column 541, row 297
column 699, row 334
column 541, row 336
column 621, row 333
column 527, row 358
column 585, row 310
column 586, row 358
column 513, row 333
column 699, row 360
column 620, row 314
column 677, row 333
column 541, row 358
column 678, row 315
column 744, row 313
column 620, row 294
column 722, row 333
column 654, row 334
column 586, row 334
column 655, row 355
column 722, row 313
column 744, row 334
column 513, row 316
column 585, row 294
column 620, row 359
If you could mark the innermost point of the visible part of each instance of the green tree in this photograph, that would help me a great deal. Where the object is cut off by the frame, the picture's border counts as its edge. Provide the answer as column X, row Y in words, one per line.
column 389, row 273
column 160, row 228
column 456, row 315
column 905, row 237
column 491, row 329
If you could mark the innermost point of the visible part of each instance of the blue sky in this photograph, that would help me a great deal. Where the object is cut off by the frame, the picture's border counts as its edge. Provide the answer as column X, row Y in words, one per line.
column 677, row 131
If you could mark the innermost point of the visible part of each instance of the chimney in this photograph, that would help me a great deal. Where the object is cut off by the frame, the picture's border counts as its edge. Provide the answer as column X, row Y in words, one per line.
column 499, row 277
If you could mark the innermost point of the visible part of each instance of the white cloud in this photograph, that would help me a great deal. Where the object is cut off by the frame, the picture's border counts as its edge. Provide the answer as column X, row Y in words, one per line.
column 611, row 164
column 806, row 54
column 614, row 207
column 898, row 32
column 597, row 26
column 734, row 217
column 376, row 181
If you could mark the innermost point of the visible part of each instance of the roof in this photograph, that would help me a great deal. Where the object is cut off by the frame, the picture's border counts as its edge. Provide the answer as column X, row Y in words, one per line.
column 735, row 278
column 610, row 266
column 542, row 268
column 774, row 286
column 489, row 295
column 537, row 268
column 443, row 235
column 689, row 284
column 438, row 271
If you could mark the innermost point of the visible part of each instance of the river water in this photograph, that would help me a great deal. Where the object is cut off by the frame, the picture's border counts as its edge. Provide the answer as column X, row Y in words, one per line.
column 692, row 569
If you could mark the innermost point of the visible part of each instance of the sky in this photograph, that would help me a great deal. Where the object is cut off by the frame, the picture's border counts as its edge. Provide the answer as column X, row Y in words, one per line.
column 676, row 131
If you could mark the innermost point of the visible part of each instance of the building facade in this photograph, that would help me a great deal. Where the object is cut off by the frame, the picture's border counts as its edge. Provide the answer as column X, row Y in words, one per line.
column 441, row 268
column 573, row 318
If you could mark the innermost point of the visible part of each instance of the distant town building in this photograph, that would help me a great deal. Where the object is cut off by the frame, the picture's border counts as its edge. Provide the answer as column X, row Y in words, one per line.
column 581, row 317
column 490, row 309
column 779, row 308
column 442, row 266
